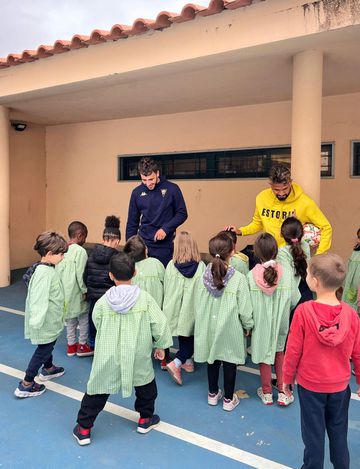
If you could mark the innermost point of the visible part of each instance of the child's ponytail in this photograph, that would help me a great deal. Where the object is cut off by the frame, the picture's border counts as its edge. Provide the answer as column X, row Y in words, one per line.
column 265, row 248
column 292, row 231
column 220, row 248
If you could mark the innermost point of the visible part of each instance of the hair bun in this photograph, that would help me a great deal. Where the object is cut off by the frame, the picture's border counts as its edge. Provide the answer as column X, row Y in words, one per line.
column 112, row 221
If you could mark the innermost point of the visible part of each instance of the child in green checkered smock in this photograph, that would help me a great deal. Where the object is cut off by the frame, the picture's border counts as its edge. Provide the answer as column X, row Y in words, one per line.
column 352, row 281
column 129, row 325
column 238, row 260
column 150, row 272
column 71, row 271
column 223, row 317
column 181, row 276
column 44, row 313
column 273, row 292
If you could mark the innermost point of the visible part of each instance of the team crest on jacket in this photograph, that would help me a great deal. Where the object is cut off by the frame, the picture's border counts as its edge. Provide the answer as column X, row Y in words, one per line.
column 163, row 192
column 143, row 194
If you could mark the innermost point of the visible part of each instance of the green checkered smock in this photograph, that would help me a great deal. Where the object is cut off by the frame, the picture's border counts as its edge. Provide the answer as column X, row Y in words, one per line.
column 271, row 317
column 178, row 303
column 285, row 258
column 124, row 344
column 150, row 278
column 220, row 322
column 71, row 271
column 44, row 307
column 352, row 280
column 240, row 262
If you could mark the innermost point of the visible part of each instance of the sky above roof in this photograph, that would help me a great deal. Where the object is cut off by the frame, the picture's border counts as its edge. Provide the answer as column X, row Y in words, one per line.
column 27, row 24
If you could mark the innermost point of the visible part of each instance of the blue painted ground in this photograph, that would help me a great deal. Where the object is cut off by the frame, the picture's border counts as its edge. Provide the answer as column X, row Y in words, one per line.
column 37, row 431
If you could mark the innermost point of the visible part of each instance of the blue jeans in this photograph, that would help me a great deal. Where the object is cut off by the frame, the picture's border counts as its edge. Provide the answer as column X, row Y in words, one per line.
column 41, row 356
column 322, row 412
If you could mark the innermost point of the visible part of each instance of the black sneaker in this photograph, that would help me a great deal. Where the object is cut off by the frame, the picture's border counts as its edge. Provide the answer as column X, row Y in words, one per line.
column 54, row 372
column 33, row 390
column 82, row 435
column 145, row 425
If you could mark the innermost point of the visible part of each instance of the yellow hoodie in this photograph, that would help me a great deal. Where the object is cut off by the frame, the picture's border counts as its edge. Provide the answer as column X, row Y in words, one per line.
column 270, row 212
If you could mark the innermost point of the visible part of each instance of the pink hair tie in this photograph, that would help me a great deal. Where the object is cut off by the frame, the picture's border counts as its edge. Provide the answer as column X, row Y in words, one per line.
column 294, row 240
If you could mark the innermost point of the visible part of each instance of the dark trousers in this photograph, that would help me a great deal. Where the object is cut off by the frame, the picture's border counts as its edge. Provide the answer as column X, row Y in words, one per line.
column 186, row 348
column 92, row 328
column 320, row 412
column 92, row 405
column 229, row 378
column 41, row 356
column 163, row 253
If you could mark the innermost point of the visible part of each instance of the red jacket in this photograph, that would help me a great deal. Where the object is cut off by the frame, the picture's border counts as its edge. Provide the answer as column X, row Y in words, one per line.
column 322, row 340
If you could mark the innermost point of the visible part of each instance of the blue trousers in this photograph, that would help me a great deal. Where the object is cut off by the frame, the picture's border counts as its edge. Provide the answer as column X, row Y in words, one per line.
column 41, row 356
column 161, row 252
column 322, row 412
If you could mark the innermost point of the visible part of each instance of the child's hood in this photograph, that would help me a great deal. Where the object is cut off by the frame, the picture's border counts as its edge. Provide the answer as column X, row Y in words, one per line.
column 122, row 297
column 187, row 269
column 209, row 281
column 332, row 329
column 102, row 254
column 258, row 276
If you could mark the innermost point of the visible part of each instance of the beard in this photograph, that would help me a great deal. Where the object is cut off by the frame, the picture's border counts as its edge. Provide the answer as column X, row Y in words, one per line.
column 282, row 197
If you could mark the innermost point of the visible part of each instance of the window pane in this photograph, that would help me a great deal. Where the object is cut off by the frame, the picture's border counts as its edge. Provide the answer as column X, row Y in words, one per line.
column 249, row 163
column 356, row 159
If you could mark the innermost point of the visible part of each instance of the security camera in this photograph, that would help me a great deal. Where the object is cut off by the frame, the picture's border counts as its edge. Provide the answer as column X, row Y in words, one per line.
column 19, row 126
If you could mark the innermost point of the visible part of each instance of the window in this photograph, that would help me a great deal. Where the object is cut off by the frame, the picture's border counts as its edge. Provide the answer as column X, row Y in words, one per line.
column 355, row 158
column 221, row 164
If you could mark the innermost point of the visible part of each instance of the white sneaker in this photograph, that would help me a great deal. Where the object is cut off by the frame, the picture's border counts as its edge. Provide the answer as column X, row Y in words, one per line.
column 267, row 398
column 283, row 399
column 230, row 405
column 213, row 399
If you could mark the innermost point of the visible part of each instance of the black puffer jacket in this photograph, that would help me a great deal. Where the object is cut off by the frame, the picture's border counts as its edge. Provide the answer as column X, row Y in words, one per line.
column 96, row 274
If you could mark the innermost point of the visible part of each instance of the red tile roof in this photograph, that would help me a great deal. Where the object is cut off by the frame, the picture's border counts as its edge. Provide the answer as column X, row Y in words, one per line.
column 163, row 20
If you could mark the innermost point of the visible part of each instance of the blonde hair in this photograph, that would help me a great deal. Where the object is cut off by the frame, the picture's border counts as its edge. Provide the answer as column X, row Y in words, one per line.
column 185, row 248
column 329, row 268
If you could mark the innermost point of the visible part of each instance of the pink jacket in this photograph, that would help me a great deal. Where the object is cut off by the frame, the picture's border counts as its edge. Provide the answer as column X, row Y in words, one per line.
column 322, row 340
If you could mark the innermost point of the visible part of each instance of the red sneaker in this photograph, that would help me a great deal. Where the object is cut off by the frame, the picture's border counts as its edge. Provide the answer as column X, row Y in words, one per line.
column 71, row 350
column 163, row 365
column 84, row 350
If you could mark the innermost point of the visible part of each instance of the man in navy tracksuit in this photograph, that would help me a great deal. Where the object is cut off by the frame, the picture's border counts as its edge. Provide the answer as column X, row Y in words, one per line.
column 156, row 209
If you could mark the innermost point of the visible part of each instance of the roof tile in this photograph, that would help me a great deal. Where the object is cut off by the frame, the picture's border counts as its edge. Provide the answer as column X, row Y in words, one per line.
column 163, row 20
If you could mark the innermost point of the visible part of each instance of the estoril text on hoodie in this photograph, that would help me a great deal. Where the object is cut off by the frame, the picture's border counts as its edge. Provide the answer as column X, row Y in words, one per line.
column 270, row 212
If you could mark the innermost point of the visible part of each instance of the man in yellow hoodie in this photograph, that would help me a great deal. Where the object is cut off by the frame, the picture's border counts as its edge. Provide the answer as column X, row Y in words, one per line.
column 285, row 198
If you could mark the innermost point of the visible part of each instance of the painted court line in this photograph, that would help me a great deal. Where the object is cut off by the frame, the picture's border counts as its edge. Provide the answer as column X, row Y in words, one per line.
column 247, row 369
column 14, row 311
column 196, row 439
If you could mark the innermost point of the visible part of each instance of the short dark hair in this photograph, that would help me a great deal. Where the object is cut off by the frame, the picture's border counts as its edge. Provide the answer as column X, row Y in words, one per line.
column 50, row 241
column 122, row 266
column 136, row 248
column 75, row 227
column 329, row 269
column 280, row 174
column 147, row 166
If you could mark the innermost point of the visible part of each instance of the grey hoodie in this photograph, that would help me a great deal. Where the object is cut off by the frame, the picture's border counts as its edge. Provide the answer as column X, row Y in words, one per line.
column 122, row 297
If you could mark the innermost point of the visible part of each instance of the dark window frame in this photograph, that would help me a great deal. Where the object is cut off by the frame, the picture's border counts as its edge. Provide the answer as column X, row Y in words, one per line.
column 216, row 162
column 355, row 165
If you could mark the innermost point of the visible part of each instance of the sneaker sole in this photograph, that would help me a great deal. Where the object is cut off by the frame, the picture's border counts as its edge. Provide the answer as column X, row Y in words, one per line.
column 147, row 430
column 71, row 354
column 86, row 354
column 24, row 394
column 188, row 371
column 85, row 442
column 47, row 378
column 174, row 377
column 285, row 404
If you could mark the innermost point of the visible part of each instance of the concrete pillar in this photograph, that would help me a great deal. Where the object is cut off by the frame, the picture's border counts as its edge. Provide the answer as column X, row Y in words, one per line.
column 4, row 198
column 306, row 121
